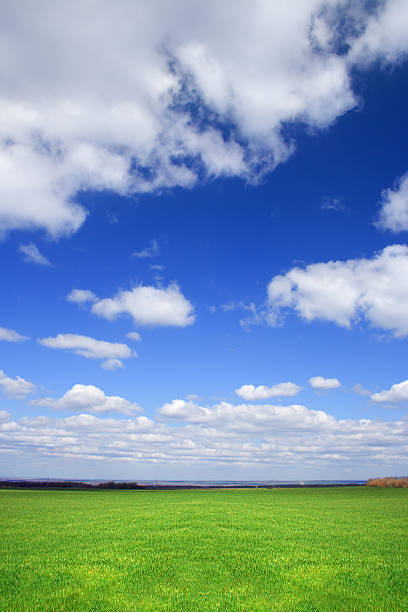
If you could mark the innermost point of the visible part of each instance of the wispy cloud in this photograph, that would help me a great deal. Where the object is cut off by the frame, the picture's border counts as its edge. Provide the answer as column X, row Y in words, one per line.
column 91, row 348
column 80, row 296
column 32, row 255
column 134, row 336
column 112, row 218
column 10, row 335
column 150, row 251
column 360, row 390
column 332, row 204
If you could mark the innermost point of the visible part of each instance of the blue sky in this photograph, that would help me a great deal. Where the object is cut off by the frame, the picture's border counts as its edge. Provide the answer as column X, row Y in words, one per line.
column 231, row 188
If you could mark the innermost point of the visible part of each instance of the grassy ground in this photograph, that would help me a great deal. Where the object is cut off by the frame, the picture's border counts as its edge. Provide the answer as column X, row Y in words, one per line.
column 297, row 549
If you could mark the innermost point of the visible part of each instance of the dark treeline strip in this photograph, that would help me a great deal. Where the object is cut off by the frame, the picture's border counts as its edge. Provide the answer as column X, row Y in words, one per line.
column 66, row 484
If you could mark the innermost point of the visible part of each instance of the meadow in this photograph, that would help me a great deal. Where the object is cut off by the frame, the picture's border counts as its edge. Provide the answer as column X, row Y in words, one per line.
column 283, row 549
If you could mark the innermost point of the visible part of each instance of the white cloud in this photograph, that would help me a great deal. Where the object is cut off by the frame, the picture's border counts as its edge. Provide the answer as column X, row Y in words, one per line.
column 394, row 207
column 121, row 119
column 397, row 393
column 9, row 335
column 33, row 255
column 247, row 417
column 184, row 410
column 5, row 416
column 149, row 251
column 285, row 437
column 251, row 393
column 32, row 191
column 87, row 398
column 384, row 36
column 91, row 348
column 17, row 387
column 148, row 306
column 345, row 291
column 134, row 336
column 319, row 382
column 81, row 295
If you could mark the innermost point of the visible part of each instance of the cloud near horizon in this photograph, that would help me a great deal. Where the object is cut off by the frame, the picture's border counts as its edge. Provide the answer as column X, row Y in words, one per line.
column 223, row 434
column 125, row 119
column 186, row 432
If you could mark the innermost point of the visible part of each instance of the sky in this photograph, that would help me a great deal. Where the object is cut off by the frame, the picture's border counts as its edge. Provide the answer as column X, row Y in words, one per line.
column 203, row 236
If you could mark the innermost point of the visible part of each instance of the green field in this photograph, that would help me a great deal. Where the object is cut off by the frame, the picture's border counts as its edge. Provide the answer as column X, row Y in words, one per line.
column 294, row 549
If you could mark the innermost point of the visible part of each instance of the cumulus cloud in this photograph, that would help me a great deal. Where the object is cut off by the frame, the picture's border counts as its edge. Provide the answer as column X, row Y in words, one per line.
column 33, row 255
column 17, row 387
column 185, row 410
column 394, row 207
column 319, row 382
column 172, row 98
column 87, row 398
column 80, row 296
column 397, row 393
column 90, row 348
column 148, row 306
column 149, row 251
column 9, row 335
column 251, row 393
column 343, row 292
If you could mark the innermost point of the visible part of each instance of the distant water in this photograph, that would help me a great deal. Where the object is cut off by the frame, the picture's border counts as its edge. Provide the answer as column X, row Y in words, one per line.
column 201, row 483
column 248, row 483
column 232, row 483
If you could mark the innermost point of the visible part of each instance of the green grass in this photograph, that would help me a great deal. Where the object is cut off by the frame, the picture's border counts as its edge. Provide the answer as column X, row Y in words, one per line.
column 295, row 549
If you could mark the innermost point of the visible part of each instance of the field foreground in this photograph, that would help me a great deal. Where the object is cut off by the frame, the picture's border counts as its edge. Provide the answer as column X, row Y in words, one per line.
column 283, row 549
